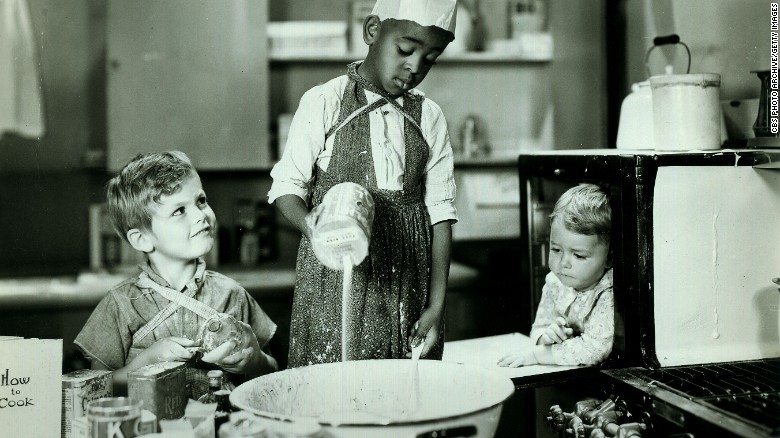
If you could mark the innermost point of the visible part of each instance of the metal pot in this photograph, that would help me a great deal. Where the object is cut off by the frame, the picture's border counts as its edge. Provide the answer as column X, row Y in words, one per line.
column 371, row 398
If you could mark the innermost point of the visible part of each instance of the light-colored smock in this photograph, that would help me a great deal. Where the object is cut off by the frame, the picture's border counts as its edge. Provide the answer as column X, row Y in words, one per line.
column 590, row 313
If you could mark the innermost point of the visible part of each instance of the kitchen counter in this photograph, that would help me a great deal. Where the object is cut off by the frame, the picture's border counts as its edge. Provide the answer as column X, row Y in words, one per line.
column 86, row 289
column 58, row 307
column 485, row 353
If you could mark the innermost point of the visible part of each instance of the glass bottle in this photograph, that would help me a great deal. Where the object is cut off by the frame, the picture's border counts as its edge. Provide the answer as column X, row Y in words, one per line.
column 215, row 384
column 224, row 408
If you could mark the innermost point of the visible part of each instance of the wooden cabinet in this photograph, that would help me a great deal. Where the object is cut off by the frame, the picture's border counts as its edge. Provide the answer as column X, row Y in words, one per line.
column 188, row 76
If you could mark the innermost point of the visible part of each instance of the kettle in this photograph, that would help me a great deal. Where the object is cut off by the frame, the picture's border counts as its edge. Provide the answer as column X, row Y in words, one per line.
column 637, row 128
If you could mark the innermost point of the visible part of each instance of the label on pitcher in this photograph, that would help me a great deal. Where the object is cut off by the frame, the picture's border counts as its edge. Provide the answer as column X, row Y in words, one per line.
column 343, row 225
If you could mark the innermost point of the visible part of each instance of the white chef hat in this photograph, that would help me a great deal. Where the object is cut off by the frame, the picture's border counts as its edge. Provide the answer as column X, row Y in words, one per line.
column 439, row 13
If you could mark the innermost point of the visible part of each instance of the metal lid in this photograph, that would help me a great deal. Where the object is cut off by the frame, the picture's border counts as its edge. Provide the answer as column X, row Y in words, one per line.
column 703, row 80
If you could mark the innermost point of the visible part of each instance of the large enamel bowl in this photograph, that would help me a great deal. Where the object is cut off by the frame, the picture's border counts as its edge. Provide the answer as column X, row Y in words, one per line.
column 373, row 398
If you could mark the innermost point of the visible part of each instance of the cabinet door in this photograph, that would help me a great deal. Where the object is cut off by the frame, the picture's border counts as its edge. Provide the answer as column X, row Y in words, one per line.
column 190, row 76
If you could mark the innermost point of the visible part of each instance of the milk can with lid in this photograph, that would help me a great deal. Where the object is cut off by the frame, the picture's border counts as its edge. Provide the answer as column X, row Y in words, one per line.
column 672, row 111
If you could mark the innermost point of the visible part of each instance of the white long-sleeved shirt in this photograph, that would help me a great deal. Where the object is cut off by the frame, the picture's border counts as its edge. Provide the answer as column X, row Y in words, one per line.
column 306, row 147
column 590, row 313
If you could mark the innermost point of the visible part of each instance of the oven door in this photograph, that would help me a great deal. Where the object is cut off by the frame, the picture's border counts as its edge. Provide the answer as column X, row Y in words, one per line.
column 543, row 179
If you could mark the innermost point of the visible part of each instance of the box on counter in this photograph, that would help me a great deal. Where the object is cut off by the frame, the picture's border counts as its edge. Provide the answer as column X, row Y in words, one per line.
column 79, row 427
column 78, row 389
column 161, row 387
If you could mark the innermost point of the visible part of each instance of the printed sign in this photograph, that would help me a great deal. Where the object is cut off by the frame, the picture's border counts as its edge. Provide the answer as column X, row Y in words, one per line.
column 30, row 387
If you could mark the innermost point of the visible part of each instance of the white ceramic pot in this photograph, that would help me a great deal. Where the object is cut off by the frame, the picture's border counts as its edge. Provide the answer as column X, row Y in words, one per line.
column 372, row 398
column 686, row 111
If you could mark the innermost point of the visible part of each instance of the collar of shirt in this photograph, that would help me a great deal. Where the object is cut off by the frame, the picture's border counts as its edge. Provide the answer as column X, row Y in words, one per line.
column 193, row 285
column 604, row 283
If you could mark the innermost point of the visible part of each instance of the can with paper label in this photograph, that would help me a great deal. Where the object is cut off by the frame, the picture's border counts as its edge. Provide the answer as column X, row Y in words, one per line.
column 342, row 225
column 162, row 387
column 114, row 417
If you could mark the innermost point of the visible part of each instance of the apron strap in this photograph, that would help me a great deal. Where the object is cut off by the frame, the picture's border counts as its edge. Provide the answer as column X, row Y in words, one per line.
column 370, row 107
column 154, row 322
column 362, row 110
column 177, row 300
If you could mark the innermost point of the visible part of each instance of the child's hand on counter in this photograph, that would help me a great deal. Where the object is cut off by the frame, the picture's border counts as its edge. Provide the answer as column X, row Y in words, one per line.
column 172, row 349
column 556, row 332
column 518, row 359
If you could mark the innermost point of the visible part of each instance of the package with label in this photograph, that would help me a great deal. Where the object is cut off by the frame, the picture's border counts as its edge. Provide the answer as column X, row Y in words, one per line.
column 161, row 387
column 79, row 427
column 78, row 389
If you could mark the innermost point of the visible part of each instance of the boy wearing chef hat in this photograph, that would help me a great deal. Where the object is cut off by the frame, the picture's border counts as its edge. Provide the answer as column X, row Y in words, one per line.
column 372, row 127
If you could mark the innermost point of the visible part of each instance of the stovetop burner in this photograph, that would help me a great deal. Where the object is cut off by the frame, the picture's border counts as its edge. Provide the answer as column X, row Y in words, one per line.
column 748, row 391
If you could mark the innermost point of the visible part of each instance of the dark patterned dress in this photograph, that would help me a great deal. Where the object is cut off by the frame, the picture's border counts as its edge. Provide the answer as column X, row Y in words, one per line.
column 390, row 287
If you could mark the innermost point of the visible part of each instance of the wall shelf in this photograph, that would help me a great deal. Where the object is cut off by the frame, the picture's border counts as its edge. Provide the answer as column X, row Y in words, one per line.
column 479, row 57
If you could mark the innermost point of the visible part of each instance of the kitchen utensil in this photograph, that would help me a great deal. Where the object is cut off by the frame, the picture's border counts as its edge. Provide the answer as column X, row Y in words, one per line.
column 635, row 128
column 762, row 126
column 686, row 107
column 684, row 110
column 456, row 399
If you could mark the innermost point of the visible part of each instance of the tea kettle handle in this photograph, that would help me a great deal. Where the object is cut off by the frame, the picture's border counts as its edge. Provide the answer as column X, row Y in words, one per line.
column 664, row 40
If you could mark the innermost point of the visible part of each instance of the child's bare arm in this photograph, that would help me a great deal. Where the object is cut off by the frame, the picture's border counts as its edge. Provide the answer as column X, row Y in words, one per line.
column 430, row 320
column 294, row 209
column 535, row 355
column 172, row 349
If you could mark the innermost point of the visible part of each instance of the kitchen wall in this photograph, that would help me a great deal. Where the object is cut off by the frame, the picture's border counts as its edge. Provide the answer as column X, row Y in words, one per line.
column 46, row 185
column 726, row 37
column 526, row 106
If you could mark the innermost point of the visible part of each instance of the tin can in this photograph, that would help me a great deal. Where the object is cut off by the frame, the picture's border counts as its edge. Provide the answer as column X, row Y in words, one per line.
column 161, row 388
column 114, row 417
column 78, row 389
column 343, row 225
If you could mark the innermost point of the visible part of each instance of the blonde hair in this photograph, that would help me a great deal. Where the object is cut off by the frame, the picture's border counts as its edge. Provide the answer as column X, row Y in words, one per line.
column 585, row 209
column 143, row 180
